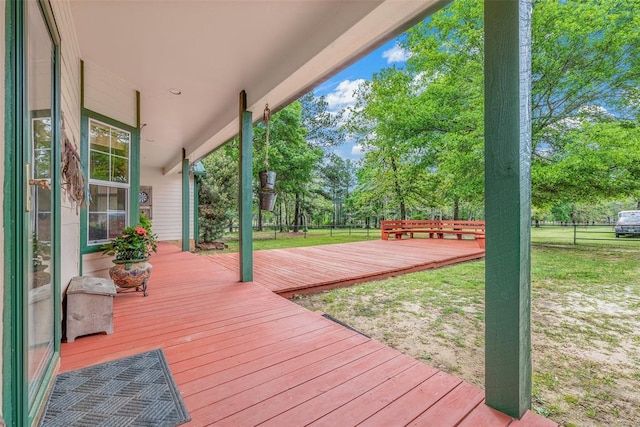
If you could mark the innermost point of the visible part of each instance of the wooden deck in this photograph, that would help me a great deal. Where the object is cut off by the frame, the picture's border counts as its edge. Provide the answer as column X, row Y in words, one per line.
column 242, row 355
column 311, row 269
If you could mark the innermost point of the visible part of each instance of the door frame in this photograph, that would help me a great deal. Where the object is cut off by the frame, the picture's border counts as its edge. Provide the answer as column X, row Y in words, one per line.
column 15, row 402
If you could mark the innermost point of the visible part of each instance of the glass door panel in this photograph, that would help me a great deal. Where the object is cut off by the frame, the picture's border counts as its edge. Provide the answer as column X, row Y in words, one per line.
column 38, row 228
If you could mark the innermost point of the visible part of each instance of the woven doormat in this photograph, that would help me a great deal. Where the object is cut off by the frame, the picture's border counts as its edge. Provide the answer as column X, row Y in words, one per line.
column 134, row 391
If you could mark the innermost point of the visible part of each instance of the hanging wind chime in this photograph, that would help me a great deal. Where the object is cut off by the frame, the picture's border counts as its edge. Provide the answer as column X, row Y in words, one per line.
column 267, row 178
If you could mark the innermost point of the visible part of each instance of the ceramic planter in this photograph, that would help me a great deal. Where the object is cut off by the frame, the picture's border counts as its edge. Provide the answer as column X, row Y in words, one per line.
column 131, row 274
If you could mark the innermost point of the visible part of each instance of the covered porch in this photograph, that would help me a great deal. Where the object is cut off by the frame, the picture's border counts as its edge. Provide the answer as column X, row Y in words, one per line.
column 242, row 355
column 148, row 88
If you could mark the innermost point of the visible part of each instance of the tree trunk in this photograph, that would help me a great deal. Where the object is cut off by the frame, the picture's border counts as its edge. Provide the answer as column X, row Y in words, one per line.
column 259, row 219
column 296, row 214
column 285, row 221
column 456, row 209
column 396, row 184
column 638, row 205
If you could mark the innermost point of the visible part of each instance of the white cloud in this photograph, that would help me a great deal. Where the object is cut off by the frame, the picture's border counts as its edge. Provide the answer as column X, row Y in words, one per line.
column 356, row 150
column 396, row 54
column 344, row 95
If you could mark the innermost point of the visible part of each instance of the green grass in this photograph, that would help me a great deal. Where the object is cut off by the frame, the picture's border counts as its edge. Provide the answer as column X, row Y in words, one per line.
column 549, row 235
column 276, row 240
column 585, row 323
column 585, row 317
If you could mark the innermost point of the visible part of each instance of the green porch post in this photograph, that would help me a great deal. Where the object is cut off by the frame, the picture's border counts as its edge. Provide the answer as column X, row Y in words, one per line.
column 196, row 202
column 185, row 204
column 508, row 204
column 246, row 190
column 199, row 172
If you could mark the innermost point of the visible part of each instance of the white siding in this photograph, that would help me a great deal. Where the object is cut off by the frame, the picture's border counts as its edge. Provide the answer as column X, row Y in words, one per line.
column 96, row 265
column 109, row 95
column 2, row 55
column 167, row 216
column 70, row 106
column 167, row 203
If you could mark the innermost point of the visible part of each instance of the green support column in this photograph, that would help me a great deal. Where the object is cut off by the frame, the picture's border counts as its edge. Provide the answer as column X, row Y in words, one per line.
column 508, row 204
column 134, row 185
column 196, row 203
column 246, row 190
column 185, row 204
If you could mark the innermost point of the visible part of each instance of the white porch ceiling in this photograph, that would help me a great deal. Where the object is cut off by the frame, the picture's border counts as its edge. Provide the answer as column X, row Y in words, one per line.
column 211, row 50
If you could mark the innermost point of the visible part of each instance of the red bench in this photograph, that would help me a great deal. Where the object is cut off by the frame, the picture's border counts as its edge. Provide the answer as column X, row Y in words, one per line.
column 438, row 228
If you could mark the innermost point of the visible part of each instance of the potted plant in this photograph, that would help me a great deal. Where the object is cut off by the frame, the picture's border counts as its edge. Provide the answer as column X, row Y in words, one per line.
column 131, row 251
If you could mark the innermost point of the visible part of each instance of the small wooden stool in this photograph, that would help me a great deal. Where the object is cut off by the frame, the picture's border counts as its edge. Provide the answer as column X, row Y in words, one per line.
column 89, row 306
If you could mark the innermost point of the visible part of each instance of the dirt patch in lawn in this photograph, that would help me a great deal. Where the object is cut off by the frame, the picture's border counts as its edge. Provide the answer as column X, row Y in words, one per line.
column 585, row 345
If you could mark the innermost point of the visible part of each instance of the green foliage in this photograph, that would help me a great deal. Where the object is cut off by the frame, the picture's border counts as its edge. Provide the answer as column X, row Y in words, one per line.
column 135, row 243
column 298, row 136
column 592, row 162
column 422, row 126
column 290, row 155
column 321, row 126
column 218, row 193
column 339, row 178
column 582, row 328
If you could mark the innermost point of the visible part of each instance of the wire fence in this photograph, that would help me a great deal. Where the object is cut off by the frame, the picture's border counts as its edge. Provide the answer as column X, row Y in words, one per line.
column 574, row 233
column 275, row 231
column 542, row 233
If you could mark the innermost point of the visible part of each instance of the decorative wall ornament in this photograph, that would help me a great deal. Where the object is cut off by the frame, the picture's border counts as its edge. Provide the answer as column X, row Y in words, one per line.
column 73, row 181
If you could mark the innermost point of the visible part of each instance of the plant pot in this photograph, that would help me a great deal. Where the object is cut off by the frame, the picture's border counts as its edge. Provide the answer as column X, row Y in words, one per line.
column 267, row 180
column 131, row 274
column 267, row 200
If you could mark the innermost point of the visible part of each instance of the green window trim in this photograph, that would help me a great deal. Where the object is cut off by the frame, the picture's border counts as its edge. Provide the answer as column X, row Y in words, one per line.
column 133, row 206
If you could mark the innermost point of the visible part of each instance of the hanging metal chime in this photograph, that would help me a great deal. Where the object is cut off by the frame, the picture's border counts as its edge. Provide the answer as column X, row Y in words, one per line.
column 267, row 192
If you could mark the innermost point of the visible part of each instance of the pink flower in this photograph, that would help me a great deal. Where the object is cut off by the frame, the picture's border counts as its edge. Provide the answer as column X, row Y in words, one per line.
column 141, row 231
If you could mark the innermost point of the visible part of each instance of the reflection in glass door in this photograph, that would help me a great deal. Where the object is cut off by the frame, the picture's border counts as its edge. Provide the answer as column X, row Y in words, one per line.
column 38, row 229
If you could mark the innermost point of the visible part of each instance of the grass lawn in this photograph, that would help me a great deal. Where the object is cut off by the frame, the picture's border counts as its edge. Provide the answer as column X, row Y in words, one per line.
column 585, row 323
column 276, row 240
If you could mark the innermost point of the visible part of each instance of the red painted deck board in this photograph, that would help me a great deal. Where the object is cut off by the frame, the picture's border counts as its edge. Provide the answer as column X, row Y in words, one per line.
column 378, row 398
column 329, row 396
column 241, row 396
column 243, row 355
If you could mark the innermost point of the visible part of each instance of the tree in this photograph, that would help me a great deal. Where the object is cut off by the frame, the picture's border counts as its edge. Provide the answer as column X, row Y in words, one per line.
column 388, row 122
column 289, row 155
column 322, row 126
column 591, row 162
column 425, row 121
column 218, row 195
column 339, row 178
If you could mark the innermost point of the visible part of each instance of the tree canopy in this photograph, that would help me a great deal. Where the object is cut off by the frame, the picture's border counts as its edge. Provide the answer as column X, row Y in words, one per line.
column 424, row 123
column 421, row 124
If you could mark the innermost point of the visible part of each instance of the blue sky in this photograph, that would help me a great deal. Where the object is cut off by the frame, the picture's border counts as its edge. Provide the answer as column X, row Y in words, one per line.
column 339, row 90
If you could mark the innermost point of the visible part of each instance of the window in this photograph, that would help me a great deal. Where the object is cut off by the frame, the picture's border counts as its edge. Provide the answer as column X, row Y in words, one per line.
column 109, row 181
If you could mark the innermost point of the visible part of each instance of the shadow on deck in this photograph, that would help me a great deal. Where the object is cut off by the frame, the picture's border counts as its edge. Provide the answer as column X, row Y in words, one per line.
column 242, row 355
